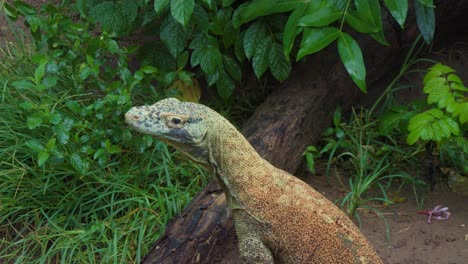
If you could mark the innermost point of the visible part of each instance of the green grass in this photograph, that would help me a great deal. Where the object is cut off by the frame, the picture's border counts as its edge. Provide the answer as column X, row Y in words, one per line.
column 85, row 210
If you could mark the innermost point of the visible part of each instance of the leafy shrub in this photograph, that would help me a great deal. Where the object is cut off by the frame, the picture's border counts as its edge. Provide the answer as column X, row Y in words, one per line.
column 441, row 118
column 76, row 185
column 211, row 39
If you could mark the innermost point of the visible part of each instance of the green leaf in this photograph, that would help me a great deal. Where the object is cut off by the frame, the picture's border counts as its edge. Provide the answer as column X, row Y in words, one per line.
column 253, row 35
column 279, row 65
column 360, row 25
column 34, row 121
column 260, row 59
column 461, row 110
column 23, row 84
column 10, row 11
column 39, row 73
column 50, row 144
column 398, row 9
column 322, row 17
column 230, row 35
column 337, row 117
column 55, row 118
column 432, row 125
column 225, row 86
column 73, row 106
column 208, row 57
column 232, row 67
column 425, row 18
column 114, row 16
column 79, row 164
column 392, row 120
column 49, row 81
column 258, row 8
column 99, row 153
column 34, row 145
column 316, row 39
column 351, row 56
column 27, row 105
column 181, row 10
column 62, row 130
column 159, row 5
column 24, row 8
column 291, row 30
column 428, row 3
column 42, row 157
column 182, row 60
column 173, row 37
column 369, row 11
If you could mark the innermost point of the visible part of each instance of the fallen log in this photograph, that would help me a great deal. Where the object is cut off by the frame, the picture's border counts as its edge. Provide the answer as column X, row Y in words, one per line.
column 290, row 119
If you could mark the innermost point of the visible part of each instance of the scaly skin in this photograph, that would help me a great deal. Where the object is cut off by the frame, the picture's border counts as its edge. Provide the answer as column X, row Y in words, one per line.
column 278, row 218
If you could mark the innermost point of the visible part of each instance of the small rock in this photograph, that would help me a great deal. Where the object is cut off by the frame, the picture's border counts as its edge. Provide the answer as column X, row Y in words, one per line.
column 458, row 183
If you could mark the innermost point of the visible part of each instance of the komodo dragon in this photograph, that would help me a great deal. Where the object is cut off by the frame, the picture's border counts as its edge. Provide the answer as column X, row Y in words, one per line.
column 278, row 218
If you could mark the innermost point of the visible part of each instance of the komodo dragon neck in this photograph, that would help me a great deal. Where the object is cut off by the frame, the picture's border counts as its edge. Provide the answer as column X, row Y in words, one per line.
column 237, row 166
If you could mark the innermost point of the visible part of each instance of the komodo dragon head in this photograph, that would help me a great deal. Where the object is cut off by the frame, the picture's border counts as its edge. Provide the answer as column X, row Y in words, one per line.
column 180, row 124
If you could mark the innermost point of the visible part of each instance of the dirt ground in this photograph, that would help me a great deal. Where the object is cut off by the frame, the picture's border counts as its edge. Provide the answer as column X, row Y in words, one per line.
column 412, row 239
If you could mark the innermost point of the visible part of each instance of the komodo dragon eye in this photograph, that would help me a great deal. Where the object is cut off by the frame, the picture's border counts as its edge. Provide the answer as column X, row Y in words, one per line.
column 174, row 121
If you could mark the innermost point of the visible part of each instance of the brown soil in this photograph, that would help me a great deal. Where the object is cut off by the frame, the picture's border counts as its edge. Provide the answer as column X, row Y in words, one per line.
column 412, row 239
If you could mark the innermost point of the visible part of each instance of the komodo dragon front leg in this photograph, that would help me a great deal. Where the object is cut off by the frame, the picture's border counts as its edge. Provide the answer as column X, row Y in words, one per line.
column 251, row 247
column 278, row 218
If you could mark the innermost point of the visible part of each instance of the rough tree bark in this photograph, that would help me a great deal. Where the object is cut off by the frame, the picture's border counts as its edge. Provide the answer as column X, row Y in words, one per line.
column 291, row 118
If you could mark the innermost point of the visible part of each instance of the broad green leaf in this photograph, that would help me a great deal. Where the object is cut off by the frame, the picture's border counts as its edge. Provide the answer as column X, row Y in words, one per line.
column 337, row 117
column 49, row 81
column 200, row 18
column 39, row 72
column 27, row 105
column 225, row 85
column 23, row 84
column 62, row 130
column 253, row 35
column 425, row 18
column 392, row 120
column 10, row 11
column 181, row 10
column 351, row 56
column 34, row 145
column 428, row 3
column 461, row 110
column 291, row 30
column 42, row 157
column 398, row 9
column 33, row 121
column 80, row 164
column 258, row 8
column 434, row 84
column 208, row 57
column 55, row 118
column 173, row 36
column 360, row 25
column 433, row 125
column 159, row 5
column 74, row 106
column 182, row 60
column 230, row 35
column 114, row 16
column 321, row 17
column 232, row 67
column 280, row 66
column 369, row 11
column 24, row 8
column 454, row 78
column 50, row 144
column 316, row 39
column 260, row 59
